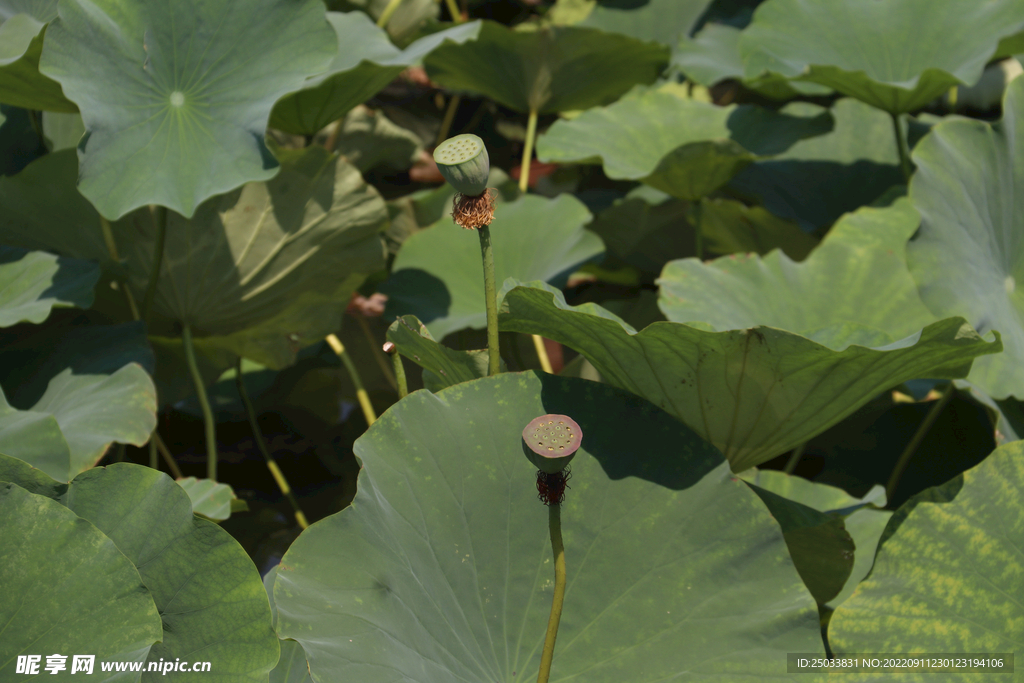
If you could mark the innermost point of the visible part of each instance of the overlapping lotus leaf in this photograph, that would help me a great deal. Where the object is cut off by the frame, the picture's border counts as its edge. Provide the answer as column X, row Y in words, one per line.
column 451, row 579
column 364, row 63
column 21, row 43
column 176, row 96
column 263, row 270
column 32, row 283
column 819, row 179
column 862, row 517
column 90, row 380
column 754, row 393
column 549, row 70
column 861, row 259
column 68, row 590
column 713, row 55
column 681, row 146
column 947, row 574
column 207, row 590
column 892, row 54
column 437, row 275
column 442, row 367
column 208, row 497
column 659, row 21
column 968, row 258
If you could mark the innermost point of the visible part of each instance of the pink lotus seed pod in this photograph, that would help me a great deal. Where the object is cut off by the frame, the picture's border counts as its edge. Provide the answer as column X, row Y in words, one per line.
column 551, row 441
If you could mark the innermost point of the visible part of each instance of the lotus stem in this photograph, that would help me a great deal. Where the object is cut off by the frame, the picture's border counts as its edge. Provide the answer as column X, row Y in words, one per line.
column 491, row 301
column 160, row 218
column 915, row 441
column 396, row 359
column 204, row 403
column 453, row 10
column 449, row 116
column 378, row 355
column 901, row 146
column 361, row 395
column 558, row 550
column 794, row 459
column 108, row 239
column 166, row 454
column 257, row 433
column 542, row 354
column 385, row 16
column 154, row 455
column 531, row 133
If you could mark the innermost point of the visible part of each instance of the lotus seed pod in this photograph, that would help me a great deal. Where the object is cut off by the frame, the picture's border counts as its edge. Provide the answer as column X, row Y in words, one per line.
column 551, row 441
column 463, row 162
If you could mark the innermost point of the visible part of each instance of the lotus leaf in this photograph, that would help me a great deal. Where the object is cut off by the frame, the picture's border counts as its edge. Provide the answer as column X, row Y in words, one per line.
column 438, row 278
column 681, row 146
column 819, row 179
column 190, row 123
column 658, row 21
column 68, row 589
column 90, row 380
column 947, row 573
column 861, row 259
column 450, row 579
column 754, row 393
column 364, row 63
column 21, row 43
column 32, row 283
column 969, row 255
column 892, row 54
column 208, row 593
column 549, row 70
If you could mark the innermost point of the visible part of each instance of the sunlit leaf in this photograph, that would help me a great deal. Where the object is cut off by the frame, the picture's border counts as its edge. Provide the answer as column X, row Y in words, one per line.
column 176, row 96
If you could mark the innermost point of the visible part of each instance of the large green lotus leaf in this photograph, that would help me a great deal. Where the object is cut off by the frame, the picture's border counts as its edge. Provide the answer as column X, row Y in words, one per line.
column 646, row 228
column 269, row 267
column 21, row 43
column 34, row 437
column 823, row 298
column 817, row 180
column 659, row 21
column 968, row 258
column 368, row 139
column 729, row 227
column 67, row 590
column 549, row 70
column 713, row 55
column 753, row 393
column 262, row 270
column 207, row 590
column 438, row 277
column 176, row 96
column 292, row 667
column 91, row 380
column 681, row 146
column 947, row 575
column 32, row 283
column 364, row 63
column 863, row 518
column 892, row 54
column 450, row 579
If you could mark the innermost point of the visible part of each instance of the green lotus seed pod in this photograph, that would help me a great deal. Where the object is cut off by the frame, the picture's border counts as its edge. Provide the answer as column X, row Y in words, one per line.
column 551, row 441
column 463, row 162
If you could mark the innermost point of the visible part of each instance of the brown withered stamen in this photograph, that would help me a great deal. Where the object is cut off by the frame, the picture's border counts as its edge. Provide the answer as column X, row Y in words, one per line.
column 474, row 212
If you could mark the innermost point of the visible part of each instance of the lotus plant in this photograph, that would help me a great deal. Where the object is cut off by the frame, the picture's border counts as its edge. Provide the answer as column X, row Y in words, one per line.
column 550, row 442
column 464, row 163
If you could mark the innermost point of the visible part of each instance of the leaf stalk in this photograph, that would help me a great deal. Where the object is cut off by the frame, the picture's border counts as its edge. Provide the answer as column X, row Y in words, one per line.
column 524, row 168
column 558, row 549
column 204, row 402
column 491, row 301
